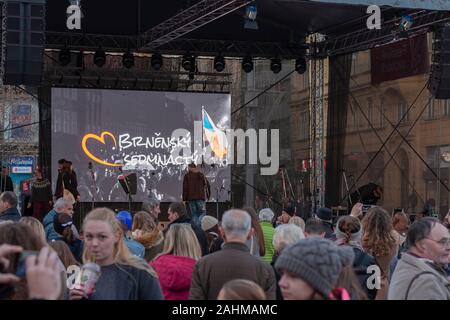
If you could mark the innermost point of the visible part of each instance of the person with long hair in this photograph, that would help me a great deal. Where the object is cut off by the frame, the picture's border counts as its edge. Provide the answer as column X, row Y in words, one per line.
column 256, row 243
column 22, row 235
column 175, row 264
column 349, row 281
column 123, row 276
column 64, row 253
column 378, row 241
column 145, row 231
column 41, row 195
column 348, row 233
column 241, row 289
column 37, row 227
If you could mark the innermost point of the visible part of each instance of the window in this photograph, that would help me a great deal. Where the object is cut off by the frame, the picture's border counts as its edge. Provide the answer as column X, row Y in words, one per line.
column 446, row 108
column 304, row 125
column 402, row 112
column 430, row 113
column 370, row 111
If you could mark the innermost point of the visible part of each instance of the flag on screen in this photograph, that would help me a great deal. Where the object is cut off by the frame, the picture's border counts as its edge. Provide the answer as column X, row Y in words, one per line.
column 217, row 138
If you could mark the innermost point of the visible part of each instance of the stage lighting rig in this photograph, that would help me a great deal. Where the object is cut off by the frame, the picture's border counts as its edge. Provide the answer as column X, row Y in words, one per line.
column 275, row 65
column 247, row 64
column 100, row 58
column 128, row 60
column 300, row 65
column 219, row 63
column 156, row 61
column 188, row 62
column 65, row 57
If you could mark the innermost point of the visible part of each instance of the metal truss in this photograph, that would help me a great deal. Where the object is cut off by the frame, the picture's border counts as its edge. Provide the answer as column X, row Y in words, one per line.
column 198, row 47
column 364, row 38
column 4, row 18
column 140, row 80
column 317, row 133
column 188, row 20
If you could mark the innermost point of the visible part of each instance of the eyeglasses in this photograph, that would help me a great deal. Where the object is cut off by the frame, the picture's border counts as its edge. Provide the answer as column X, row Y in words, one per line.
column 445, row 242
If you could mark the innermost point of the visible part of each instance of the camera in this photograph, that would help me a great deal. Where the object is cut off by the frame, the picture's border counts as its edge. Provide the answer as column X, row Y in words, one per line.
column 366, row 207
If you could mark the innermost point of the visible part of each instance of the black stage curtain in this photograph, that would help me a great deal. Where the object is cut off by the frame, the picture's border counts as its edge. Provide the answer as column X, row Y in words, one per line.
column 338, row 99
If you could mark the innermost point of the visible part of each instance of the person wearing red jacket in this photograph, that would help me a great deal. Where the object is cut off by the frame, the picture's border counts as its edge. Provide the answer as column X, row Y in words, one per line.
column 175, row 264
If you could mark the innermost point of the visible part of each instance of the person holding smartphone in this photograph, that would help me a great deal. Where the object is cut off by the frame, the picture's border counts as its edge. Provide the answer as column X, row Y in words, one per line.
column 122, row 275
column 22, row 246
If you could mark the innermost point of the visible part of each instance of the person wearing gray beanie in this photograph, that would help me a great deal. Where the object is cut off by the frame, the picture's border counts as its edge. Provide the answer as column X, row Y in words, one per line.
column 310, row 268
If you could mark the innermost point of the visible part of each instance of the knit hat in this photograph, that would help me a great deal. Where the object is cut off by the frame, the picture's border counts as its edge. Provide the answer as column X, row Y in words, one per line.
column 125, row 218
column 208, row 222
column 325, row 214
column 317, row 261
column 61, row 222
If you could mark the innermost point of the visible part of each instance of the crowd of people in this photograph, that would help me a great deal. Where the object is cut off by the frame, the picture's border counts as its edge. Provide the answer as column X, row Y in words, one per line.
column 243, row 255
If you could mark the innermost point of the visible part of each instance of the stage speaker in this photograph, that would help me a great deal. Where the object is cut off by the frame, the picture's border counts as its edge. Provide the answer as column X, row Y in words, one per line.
column 128, row 181
column 439, row 84
column 25, row 42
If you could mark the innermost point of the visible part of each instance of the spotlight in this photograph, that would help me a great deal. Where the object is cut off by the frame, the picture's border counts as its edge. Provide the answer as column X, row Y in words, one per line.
column 65, row 57
column 250, row 17
column 219, row 63
column 275, row 65
column 99, row 58
column 188, row 62
column 128, row 60
column 156, row 61
column 247, row 64
column 300, row 65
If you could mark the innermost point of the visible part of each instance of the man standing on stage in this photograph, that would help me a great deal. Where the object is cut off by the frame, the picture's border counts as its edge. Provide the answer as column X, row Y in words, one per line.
column 196, row 191
column 6, row 183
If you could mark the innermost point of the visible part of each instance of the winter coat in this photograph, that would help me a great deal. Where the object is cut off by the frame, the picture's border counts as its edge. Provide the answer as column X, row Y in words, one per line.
column 268, row 232
column 153, row 243
column 418, row 279
column 234, row 261
column 10, row 214
column 50, row 232
column 175, row 274
column 194, row 187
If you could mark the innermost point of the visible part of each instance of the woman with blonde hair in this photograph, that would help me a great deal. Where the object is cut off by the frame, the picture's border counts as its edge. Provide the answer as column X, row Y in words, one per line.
column 123, row 276
column 241, row 289
column 176, row 263
column 36, row 225
column 146, row 232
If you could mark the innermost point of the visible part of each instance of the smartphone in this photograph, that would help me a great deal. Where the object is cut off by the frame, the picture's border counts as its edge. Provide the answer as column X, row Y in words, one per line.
column 21, row 268
column 366, row 208
column 396, row 210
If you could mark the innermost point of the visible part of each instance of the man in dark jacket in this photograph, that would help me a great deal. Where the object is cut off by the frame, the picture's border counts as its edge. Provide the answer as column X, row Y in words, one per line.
column 8, row 207
column 177, row 214
column 196, row 191
column 234, row 261
column 325, row 216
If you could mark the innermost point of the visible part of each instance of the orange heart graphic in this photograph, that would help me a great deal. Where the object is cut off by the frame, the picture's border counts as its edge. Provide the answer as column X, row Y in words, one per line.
column 102, row 140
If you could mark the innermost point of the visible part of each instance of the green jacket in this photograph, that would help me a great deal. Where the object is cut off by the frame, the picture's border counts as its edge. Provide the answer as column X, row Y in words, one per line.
column 268, row 232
